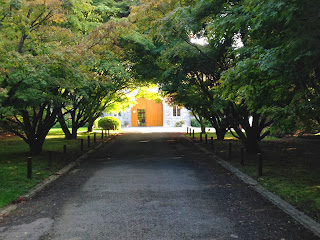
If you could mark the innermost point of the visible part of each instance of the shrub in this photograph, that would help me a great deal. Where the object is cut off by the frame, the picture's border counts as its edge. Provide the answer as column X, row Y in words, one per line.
column 109, row 123
column 195, row 123
column 179, row 123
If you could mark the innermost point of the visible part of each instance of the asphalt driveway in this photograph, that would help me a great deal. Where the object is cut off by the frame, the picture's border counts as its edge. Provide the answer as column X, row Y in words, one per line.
column 149, row 186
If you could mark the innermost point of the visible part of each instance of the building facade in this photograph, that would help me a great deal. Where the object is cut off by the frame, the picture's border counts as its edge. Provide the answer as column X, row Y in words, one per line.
column 149, row 113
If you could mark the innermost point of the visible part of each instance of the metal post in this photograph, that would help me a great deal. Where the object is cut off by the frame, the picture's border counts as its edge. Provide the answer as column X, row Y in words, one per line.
column 242, row 156
column 88, row 141
column 94, row 137
column 64, row 148
column 190, row 132
column 81, row 145
column 29, row 168
column 193, row 133
column 259, row 156
column 187, row 130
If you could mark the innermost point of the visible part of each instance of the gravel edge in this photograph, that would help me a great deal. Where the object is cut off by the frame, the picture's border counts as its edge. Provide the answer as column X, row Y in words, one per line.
column 299, row 216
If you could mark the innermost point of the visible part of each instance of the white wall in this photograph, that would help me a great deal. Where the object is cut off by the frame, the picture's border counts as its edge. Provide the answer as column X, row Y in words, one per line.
column 169, row 120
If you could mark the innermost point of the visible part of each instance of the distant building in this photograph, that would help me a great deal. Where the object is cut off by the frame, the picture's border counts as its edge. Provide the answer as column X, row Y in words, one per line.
column 149, row 113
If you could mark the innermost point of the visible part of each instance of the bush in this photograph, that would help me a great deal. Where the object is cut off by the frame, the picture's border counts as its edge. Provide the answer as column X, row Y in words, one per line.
column 109, row 123
column 69, row 124
column 179, row 123
column 195, row 123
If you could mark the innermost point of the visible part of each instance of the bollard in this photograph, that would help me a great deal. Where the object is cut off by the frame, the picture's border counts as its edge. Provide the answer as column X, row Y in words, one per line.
column 193, row 133
column 259, row 157
column 230, row 150
column 29, row 168
column 88, row 141
column 65, row 148
column 242, row 156
column 81, row 145
column 212, row 143
column 102, row 134
column 187, row 130
column 190, row 132
column 94, row 137
column 206, row 139
column 50, row 163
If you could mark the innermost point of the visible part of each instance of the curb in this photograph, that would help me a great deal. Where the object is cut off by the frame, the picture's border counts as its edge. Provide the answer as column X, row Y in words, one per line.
column 299, row 216
column 40, row 186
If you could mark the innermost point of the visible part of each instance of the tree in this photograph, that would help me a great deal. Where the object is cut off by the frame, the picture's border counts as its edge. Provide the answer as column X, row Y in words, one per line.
column 186, row 65
column 34, row 70
column 31, row 102
column 276, row 70
column 108, row 78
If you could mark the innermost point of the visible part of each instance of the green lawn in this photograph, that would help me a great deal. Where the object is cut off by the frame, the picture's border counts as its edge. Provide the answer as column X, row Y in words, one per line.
column 291, row 168
column 14, row 152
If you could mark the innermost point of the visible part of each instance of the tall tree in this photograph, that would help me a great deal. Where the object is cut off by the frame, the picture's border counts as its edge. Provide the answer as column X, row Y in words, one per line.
column 35, row 69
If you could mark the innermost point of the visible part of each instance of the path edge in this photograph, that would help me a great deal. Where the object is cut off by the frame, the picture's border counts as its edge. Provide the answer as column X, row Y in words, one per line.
column 299, row 216
column 5, row 211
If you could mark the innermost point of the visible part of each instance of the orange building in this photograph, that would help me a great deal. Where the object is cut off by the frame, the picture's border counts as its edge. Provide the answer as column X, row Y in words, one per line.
column 147, row 113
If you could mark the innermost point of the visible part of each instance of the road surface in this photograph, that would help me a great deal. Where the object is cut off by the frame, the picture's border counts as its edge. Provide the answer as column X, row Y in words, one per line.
column 149, row 186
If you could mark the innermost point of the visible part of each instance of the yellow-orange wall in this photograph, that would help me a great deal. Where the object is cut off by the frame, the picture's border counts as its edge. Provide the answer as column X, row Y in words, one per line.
column 154, row 112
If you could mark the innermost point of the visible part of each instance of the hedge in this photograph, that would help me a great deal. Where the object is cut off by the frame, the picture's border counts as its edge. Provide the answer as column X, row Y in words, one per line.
column 109, row 123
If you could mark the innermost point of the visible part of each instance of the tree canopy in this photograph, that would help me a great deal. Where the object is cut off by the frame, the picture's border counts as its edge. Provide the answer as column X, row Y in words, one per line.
column 255, row 72
column 258, row 60
column 59, row 58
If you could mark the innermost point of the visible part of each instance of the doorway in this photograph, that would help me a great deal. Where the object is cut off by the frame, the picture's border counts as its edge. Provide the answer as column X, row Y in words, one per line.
column 141, row 117
column 147, row 113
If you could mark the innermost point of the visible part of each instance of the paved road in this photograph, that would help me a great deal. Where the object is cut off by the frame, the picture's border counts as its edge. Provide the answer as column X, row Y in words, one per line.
column 149, row 186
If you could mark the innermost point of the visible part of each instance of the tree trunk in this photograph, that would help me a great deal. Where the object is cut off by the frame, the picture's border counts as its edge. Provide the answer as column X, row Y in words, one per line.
column 35, row 146
column 251, row 145
column 90, row 126
column 64, row 126
column 221, row 133
column 74, row 131
column 253, row 129
column 203, row 125
column 221, row 125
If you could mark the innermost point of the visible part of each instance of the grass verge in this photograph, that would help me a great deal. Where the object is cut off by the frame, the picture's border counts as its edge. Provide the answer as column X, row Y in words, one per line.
column 13, row 164
column 291, row 168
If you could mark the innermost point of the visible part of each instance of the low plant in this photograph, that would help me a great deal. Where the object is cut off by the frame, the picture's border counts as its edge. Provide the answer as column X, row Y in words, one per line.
column 195, row 123
column 179, row 123
column 109, row 123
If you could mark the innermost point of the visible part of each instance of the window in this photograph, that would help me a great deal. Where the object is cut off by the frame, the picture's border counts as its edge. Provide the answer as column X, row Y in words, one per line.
column 176, row 110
